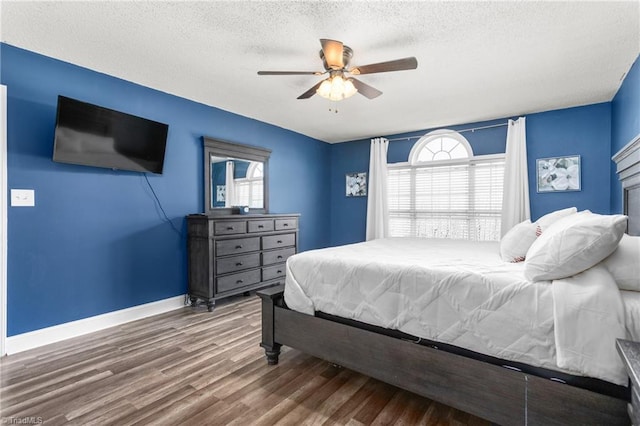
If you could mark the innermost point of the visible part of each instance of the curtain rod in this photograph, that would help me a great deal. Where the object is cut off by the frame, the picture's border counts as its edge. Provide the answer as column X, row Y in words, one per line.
column 455, row 131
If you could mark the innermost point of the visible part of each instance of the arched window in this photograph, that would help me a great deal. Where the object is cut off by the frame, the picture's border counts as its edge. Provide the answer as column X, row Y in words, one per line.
column 440, row 145
column 444, row 191
column 255, row 170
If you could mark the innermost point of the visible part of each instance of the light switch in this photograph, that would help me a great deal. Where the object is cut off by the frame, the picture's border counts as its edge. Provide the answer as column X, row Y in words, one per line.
column 23, row 198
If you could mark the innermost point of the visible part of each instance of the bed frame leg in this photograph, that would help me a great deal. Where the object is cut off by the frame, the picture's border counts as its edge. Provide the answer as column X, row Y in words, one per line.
column 273, row 354
column 269, row 298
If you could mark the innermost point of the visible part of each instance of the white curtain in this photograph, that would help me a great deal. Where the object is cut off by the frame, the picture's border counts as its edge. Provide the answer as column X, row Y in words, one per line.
column 515, row 198
column 230, row 191
column 377, row 203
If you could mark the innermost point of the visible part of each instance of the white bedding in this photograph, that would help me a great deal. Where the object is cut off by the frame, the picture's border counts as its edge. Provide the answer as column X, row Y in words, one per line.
column 451, row 291
column 589, row 315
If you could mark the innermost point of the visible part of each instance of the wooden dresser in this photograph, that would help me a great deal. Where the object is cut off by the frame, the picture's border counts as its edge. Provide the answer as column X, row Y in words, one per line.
column 233, row 254
column 630, row 353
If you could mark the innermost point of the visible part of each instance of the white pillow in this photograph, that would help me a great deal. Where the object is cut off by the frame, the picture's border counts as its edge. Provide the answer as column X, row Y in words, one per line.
column 515, row 243
column 624, row 263
column 550, row 218
column 573, row 244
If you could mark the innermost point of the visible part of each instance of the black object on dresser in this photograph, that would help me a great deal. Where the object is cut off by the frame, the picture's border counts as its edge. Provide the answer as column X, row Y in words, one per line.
column 232, row 254
column 630, row 353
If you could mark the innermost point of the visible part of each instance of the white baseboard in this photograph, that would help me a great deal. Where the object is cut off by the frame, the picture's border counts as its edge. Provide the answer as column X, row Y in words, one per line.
column 45, row 336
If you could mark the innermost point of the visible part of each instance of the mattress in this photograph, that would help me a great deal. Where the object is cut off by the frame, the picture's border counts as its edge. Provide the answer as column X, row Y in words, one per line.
column 451, row 291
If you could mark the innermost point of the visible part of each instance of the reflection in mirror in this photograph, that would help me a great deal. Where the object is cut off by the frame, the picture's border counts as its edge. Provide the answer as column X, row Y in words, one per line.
column 235, row 175
column 236, row 182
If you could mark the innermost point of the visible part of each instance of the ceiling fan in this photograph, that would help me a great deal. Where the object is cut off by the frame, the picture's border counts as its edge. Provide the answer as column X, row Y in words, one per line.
column 335, row 58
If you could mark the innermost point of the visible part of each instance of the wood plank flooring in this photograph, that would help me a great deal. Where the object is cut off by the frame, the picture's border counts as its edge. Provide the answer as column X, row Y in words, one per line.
column 194, row 367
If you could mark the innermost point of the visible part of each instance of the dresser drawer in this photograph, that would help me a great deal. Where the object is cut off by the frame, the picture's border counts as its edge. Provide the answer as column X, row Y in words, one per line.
column 241, row 245
column 275, row 271
column 239, row 280
column 260, row 225
column 225, row 265
column 277, row 256
column 288, row 223
column 277, row 241
column 229, row 227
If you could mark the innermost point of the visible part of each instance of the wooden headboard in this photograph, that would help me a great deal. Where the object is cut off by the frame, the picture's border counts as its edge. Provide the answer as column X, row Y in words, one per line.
column 632, row 209
column 628, row 169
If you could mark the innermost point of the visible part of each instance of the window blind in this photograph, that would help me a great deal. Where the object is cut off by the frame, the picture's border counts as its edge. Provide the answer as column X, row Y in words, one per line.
column 249, row 192
column 462, row 200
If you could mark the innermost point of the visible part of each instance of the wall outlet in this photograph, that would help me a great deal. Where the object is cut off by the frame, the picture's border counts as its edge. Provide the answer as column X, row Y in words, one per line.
column 23, row 198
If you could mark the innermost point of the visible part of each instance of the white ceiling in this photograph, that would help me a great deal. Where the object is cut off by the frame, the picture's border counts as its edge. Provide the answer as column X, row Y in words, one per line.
column 476, row 60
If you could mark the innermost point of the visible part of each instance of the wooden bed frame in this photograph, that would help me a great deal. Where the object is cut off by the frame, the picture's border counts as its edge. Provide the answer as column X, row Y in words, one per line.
column 501, row 395
column 497, row 393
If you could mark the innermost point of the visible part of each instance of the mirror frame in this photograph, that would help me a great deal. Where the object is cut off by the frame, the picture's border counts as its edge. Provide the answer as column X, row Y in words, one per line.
column 221, row 148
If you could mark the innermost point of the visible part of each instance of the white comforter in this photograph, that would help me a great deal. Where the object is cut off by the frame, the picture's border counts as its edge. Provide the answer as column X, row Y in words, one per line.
column 462, row 293
column 589, row 316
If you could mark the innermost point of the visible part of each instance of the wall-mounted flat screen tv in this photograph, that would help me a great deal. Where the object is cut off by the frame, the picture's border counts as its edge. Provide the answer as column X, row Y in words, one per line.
column 91, row 135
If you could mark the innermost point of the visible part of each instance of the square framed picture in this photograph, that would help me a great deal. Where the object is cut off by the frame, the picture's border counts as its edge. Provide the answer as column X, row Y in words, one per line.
column 557, row 174
column 356, row 184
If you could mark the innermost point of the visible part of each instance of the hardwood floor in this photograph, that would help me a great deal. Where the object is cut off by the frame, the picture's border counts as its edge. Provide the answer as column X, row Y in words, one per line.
column 194, row 367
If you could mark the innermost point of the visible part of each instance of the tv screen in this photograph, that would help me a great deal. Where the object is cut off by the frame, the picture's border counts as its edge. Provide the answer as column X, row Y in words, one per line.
column 91, row 135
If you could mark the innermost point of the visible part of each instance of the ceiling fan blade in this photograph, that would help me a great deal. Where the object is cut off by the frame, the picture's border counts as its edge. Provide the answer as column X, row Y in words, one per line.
column 333, row 51
column 290, row 73
column 397, row 65
column 309, row 93
column 366, row 90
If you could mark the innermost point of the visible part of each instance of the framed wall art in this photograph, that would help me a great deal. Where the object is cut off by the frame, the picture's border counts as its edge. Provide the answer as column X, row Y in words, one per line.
column 557, row 174
column 221, row 192
column 356, row 184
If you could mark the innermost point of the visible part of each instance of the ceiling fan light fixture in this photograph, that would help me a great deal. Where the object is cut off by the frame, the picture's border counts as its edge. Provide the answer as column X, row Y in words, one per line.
column 335, row 58
column 349, row 89
column 336, row 88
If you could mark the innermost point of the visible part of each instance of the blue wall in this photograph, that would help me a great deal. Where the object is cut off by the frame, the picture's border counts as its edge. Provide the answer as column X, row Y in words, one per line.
column 626, row 125
column 584, row 131
column 96, row 242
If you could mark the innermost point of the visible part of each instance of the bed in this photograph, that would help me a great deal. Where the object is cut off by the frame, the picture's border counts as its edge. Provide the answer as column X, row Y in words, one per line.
column 483, row 336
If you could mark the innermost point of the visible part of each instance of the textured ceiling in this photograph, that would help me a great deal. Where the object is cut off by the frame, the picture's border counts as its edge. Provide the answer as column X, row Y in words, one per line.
column 476, row 60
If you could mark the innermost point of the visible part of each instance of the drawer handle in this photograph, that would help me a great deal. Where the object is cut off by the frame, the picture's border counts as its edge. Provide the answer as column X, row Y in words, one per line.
column 279, row 257
column 279, row 271
column 229, row 228
column 238, row 263
column 239, row 282
column 238, row 247
column 260, row 226
column 279, row 241
column 285, row 224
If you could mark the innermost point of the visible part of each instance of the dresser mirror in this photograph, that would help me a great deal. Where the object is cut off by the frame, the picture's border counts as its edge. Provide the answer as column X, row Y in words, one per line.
column 235, row 175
